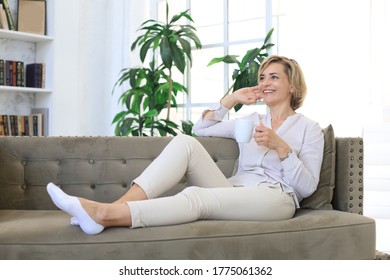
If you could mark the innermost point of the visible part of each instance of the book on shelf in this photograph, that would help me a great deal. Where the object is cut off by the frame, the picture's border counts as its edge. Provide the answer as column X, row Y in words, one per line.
column 35, row 75
column 32, row 16
column 21, row 125
column 3, row 18
column 10, row 25
column 14, row 73
column 2, row 73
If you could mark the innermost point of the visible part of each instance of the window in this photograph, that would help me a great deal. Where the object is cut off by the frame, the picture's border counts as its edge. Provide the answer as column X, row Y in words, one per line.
column 224, row 27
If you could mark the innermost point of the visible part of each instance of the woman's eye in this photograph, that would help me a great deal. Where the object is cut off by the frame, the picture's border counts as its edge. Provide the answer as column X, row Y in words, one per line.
column 274, row 77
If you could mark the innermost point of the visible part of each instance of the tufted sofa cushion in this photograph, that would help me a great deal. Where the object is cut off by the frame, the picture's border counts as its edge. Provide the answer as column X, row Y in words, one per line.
column 97, row 168
column 322, row 197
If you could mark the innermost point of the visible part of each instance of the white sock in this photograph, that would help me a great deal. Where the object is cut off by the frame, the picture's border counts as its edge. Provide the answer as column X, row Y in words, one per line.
column 72, row 206
column 74, row 221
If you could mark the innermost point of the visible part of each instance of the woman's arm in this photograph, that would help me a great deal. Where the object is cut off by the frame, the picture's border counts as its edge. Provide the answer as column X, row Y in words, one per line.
column 244, row 96
column 302, row 172
column 211, row 123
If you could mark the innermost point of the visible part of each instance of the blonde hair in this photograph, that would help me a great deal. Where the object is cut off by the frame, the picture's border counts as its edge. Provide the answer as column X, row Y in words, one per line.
column 295, row 77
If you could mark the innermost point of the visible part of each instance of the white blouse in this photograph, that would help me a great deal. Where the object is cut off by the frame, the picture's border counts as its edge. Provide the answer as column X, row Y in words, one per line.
column 299, row 173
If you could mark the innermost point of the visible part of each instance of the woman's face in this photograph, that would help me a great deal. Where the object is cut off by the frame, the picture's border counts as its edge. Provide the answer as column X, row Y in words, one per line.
column 274, row 85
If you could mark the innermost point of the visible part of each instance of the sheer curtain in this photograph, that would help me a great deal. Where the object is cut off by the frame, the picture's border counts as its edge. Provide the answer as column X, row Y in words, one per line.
column 380, row 61
column 341, row 47
column 90, row 48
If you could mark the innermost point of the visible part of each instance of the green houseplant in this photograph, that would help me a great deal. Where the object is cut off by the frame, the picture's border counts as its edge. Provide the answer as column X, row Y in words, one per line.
column 144, row 100
column 152, row 89
column 246, row 73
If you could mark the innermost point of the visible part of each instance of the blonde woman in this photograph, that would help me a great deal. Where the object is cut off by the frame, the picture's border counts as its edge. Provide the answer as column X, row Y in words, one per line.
column 277, row 169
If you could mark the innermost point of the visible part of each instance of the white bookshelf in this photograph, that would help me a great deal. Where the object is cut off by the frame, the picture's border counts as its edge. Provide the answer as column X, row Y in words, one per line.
column 40, row 41
column 29, row 48
column 23, row 36
column 11, row 89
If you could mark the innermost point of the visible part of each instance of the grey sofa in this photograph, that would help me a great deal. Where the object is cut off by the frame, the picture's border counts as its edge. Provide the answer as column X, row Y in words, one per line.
column 330, row 224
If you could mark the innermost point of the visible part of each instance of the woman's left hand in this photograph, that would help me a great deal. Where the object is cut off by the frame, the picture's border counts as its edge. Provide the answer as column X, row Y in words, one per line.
column 265, row 136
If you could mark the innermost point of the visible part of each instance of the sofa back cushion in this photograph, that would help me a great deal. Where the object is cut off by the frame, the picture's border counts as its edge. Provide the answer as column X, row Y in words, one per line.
column 101, row 168
column 97, row 168
column 322, row 197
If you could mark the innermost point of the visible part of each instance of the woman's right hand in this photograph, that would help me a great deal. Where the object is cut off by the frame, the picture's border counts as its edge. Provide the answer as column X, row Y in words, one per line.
column 246, row 96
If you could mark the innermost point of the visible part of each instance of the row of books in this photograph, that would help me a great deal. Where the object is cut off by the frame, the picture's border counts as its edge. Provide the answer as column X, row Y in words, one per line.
column 31, row 16
column 13, row 73
column 21, row 125
column 6, row 20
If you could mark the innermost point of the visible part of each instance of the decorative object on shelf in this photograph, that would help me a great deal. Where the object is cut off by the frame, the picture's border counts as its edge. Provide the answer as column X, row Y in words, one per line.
column 152, row 88
column 9, row 22
column 32, row 16
column 248, row 67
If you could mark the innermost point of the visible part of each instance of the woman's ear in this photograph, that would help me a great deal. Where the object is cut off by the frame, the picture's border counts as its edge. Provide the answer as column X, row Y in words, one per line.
column 291, row 89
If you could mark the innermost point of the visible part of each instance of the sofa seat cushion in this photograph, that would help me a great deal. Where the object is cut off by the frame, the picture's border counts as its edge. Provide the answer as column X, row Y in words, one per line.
column 47, row 234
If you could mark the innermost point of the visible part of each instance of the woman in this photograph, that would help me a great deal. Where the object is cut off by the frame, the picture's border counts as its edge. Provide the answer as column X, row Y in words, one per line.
column 277, row 169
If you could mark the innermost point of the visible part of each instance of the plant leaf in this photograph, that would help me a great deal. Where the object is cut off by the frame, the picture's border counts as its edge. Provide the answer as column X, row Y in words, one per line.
column 145, row 47
column 249, row 57
column 119, row 116
column 166, row 53
column 269, row 34
column 179, row 16
column 151, row 113
column 178, row 57
column 226, row 59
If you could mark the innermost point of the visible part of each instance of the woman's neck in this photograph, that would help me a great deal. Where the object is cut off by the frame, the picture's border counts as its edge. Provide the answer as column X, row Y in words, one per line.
column 281, row 114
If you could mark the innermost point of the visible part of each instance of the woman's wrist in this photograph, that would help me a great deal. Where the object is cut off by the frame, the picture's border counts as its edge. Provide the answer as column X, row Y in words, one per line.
column 286, row 156
column 284, row 153
column 229, row 101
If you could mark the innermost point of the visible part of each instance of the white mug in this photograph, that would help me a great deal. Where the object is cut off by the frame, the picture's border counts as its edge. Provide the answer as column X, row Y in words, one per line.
column 243, row 130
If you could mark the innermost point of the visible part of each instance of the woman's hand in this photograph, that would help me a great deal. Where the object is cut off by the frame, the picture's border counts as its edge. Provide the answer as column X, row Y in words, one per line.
column 248, row 95
column 265, row 136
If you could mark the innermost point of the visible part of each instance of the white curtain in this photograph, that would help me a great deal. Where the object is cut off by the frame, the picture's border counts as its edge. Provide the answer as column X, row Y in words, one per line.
column 341, row 46
column 90, row 48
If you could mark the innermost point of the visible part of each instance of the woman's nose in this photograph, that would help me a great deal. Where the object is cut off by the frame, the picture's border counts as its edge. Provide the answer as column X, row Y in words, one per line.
column 266, row 81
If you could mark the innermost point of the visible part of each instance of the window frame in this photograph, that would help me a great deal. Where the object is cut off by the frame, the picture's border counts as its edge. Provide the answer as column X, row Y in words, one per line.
column 187, row 105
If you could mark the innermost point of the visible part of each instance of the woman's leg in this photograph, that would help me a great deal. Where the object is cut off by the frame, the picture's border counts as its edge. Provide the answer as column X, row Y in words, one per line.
column 91, row 216
column 262, row 203
column 183, row 156
column 266, row 202
column 133, row 194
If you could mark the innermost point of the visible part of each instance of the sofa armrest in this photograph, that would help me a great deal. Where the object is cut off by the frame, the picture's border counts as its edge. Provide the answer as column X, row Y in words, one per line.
column 348, row 192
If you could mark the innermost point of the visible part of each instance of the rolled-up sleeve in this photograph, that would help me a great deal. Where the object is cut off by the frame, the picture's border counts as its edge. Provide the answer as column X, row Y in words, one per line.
column 215, row 126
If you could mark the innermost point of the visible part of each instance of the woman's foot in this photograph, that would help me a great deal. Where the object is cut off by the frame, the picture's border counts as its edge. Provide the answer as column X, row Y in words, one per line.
column 72, row 206
column 74, row 221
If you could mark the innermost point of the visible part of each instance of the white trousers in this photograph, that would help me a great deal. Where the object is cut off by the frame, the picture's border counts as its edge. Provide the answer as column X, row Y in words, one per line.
column 210, row 195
